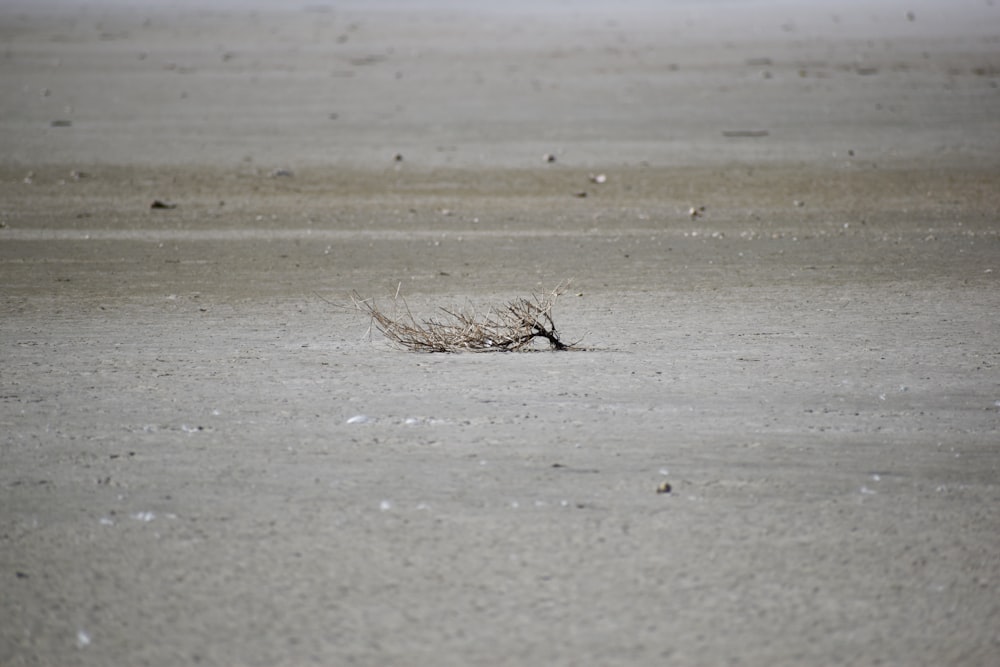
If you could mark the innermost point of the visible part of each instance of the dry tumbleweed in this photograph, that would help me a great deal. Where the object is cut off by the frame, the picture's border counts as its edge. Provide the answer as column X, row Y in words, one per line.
column 513, row 326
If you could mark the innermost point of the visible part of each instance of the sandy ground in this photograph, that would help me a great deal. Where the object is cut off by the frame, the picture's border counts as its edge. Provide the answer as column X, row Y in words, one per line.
column 205, row 460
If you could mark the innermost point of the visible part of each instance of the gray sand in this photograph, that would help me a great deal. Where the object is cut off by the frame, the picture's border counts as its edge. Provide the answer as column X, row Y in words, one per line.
column 204, row 459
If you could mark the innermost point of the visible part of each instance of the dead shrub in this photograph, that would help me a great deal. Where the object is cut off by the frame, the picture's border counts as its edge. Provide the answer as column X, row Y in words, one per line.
column 508, row 328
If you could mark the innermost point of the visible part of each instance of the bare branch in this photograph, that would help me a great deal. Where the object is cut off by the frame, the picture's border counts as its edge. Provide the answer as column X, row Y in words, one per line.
column 511, row 327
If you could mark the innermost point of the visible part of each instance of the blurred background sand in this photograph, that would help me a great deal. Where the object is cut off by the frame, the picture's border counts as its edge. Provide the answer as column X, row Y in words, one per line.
column 498, row 85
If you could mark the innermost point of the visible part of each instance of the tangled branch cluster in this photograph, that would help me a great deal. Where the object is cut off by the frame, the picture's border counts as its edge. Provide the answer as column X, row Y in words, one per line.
column 511, row 327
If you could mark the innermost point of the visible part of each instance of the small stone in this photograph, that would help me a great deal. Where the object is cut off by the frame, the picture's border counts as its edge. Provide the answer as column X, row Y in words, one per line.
column 664, row 487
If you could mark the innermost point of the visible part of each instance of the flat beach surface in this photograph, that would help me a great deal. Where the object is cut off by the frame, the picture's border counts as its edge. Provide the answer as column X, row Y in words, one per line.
column 782, row 226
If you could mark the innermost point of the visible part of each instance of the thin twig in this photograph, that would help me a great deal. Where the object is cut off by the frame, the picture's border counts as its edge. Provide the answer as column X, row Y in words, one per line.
column 510, row 328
